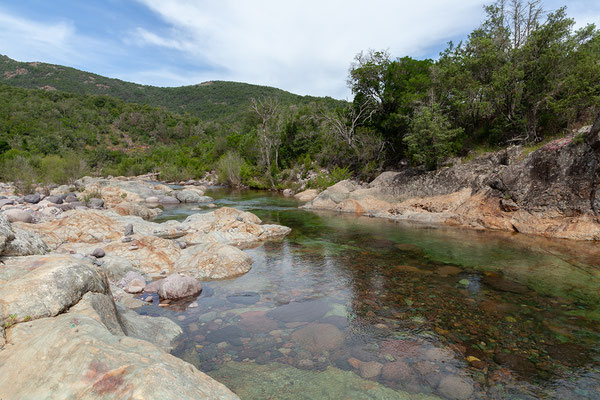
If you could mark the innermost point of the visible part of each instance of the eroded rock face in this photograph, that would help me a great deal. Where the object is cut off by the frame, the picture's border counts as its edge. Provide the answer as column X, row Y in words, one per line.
column 76, row 356
column 44, row 286
column 552, row 191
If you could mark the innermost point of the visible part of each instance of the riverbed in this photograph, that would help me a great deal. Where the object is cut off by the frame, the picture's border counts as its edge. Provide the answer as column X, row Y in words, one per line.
column 361, row 308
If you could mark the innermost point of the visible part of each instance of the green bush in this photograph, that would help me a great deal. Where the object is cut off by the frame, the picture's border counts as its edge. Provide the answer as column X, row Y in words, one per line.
column 229, row 169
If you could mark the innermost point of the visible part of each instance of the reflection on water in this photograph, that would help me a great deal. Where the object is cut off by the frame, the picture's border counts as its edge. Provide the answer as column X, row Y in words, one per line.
column 364, row 308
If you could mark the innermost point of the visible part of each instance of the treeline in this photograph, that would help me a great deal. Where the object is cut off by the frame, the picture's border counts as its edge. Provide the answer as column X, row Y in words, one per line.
column 56, row 137
column 523, row 76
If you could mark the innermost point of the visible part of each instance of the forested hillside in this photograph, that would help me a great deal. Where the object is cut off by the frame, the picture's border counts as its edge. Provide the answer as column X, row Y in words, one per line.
column 524, row 76
column 210, row 101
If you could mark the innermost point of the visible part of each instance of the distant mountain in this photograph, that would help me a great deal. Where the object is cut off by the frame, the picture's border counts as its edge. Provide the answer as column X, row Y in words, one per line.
column 210, row 101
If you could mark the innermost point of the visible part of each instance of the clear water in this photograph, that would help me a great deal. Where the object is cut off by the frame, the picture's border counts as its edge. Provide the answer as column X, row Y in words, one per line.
column 353, row 307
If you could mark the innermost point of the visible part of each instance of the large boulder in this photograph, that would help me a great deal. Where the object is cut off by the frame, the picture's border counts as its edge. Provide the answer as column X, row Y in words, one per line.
column 18, row 215
column 213, row 261
column 229, row 226
column 84, row 354
column 25, row 243
column 150, row 254
column 191, row 196
column 176, row 286
column 44, row 286
column 307, row 195
column 78, row 226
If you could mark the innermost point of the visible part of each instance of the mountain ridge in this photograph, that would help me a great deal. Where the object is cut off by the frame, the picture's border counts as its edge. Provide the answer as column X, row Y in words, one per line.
column 210, row 100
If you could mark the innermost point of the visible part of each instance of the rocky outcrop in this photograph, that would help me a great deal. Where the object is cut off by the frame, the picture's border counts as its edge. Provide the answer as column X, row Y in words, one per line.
column 63, row 331
column 229, row 226
column 552, row 191
column 157, row 249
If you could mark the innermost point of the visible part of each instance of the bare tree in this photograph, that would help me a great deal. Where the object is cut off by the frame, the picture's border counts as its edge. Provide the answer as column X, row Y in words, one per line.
column 344, row 123
column 269, row 139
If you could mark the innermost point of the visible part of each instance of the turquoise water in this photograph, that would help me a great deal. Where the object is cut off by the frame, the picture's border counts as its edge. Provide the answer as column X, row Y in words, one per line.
column 355, row 307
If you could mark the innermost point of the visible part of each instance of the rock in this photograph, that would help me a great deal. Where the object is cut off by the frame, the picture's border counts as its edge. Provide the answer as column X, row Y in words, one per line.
column 132, row 282
column 307, row 195
column 18, row 215
column 6, row 202
column 54, row 199
column 396, row 371
column 116, row 267
column 176, row 286
column 98, row 253
column 283, row 382
column 168, row 200
column 149, row 254
column 158, row 330
column 71, row 199
column 191, row 196
column 32, row 198
column 454, row 387
column 213, row 261
column 508, row 205
column 306, row 311
column 288, row 192
column 77, row 356
column 128, row 230
column 318, row 338
column 505, row 285
column 370, row 369
column 246, row 298
column 256, row 322
column 137, row 209
column 57, row 282
column 79, row 226
column 95, row 202
column 25, row 243
column 229, row 226
column 152, row 199
column 230, row 333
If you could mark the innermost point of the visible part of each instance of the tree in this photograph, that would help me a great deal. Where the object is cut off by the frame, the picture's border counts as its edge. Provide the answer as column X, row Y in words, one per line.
column 268, row 139
column 431, row 138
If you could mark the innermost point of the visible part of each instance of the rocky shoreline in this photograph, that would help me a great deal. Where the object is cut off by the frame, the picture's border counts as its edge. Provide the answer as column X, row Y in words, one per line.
column 72, row 263
column 552, row 191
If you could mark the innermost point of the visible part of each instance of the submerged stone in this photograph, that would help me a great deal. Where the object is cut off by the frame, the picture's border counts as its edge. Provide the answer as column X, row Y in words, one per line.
column 279, row 381
column 306, row 311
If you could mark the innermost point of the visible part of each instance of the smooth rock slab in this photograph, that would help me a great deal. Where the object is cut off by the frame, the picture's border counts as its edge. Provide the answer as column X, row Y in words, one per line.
column 74, row 356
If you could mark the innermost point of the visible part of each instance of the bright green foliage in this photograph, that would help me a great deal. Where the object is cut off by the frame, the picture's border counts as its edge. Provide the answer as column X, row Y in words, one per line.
column 430, row 139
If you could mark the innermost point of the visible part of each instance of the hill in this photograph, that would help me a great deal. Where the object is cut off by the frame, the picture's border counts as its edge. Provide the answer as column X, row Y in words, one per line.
column 210, row 101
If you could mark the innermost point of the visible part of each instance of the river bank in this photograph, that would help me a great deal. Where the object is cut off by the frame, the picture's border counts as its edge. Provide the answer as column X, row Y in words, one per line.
column 73, row 262
column 552, row 191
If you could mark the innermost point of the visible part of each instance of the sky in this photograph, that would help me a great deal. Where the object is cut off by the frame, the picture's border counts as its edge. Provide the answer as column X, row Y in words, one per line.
column 305, row 47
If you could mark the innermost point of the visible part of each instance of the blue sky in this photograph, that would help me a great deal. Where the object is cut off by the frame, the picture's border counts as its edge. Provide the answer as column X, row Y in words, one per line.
column 304, row 46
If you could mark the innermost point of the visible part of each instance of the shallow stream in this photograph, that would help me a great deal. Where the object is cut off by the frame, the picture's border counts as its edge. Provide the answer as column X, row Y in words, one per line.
column 351, row 307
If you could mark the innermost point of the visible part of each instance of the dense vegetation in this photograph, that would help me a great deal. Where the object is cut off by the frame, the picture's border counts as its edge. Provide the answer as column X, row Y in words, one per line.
column 210, row 101
column 522, row 77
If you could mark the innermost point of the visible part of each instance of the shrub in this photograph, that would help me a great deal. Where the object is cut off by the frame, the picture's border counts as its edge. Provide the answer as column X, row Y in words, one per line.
column 229, row 169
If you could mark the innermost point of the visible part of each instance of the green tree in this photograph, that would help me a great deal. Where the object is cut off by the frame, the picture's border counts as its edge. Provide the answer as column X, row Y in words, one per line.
column 431, row 138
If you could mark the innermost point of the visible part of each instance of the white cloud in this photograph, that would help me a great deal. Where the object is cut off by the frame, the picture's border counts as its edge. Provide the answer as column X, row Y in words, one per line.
column 303, row 46
column 30, row 40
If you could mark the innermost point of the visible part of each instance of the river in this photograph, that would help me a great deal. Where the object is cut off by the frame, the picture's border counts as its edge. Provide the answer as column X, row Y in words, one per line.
column 350, row 307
